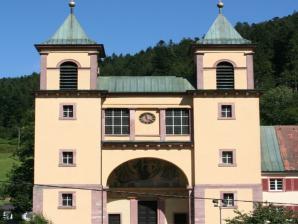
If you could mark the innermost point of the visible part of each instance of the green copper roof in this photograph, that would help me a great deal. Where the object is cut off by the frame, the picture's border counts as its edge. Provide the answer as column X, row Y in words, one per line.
column 70, row 33
column 271, row 157
column 143, row 84
column 222, row 32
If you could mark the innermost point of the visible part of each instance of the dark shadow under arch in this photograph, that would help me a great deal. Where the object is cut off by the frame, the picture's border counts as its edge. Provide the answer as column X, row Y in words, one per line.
column 147, row 173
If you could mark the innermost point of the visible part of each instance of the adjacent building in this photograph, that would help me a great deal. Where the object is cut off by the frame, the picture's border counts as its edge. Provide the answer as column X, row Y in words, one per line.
column 147, row 149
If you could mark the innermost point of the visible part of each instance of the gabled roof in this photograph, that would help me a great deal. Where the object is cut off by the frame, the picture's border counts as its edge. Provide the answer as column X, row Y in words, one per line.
column 222, row 32
column 271, row 158
column 288, row 143
column 143, row 84
column 70, row 33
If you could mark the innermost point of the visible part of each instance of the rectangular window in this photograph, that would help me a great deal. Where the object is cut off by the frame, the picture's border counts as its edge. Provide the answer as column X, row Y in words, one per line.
column 276, row 185
column 177, row 122
column 67, row 158
column 227, row 157
column 117, row 121
column 67, row 200
column 67, row 111
column 226, row 111
column 228, row 200
column 114, row 219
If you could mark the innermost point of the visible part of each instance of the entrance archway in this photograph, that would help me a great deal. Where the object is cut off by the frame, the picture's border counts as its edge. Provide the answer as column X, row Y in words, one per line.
column 144, row 186
column 147, row 173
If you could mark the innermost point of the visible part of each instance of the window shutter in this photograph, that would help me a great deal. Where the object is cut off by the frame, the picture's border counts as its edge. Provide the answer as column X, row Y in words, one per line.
column 288, row 183
column 68, row 76
column 225, row 76
column 265, row 184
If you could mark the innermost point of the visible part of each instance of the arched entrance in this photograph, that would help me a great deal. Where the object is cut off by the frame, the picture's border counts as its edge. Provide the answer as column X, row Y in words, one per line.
column 154, row 191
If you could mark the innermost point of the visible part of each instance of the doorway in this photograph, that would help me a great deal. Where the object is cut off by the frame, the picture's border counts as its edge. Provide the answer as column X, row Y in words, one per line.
column 147, row 212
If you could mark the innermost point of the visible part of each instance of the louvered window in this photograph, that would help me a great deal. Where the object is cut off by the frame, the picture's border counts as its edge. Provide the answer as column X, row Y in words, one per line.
column 225, row 76
column 68, row 76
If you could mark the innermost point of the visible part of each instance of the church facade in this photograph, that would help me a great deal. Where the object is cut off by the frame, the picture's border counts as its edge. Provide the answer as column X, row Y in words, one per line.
column 146, row 149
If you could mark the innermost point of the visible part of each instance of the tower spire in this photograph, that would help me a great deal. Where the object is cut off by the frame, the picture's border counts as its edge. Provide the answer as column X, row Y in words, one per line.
column 72, row 4
column 220, row 6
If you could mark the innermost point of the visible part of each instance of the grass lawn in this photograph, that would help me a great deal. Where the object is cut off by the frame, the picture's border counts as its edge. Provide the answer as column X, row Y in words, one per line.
column 6, row 162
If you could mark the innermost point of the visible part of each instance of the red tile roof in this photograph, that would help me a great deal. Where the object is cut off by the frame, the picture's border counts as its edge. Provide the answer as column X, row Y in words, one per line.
column 288, row 142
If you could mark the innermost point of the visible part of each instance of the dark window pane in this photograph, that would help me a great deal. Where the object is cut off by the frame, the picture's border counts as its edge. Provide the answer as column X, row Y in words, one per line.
column 117, row 130
column 125, row 130
column 169, row 113
column 169, row 130
column 185, row 121
column 108, row 112
column 177, row 121
column 114, row 219
column 109, row 121
column 185, row 113
column 185, row 130
column 117, row 121
column 108, row 130
column 177, row 130
column 125, row 121
column 117, row 113
column 125, row 113
column 177, row 112
column 169, row 121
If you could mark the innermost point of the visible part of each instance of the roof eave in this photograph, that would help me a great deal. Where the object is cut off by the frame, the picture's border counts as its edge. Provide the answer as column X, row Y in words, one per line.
column 47, row 47
column 195, row 47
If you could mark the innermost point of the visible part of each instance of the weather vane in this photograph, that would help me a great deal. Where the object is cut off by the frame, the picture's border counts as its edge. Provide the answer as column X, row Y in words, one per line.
column 220, row 5
column 72, row 4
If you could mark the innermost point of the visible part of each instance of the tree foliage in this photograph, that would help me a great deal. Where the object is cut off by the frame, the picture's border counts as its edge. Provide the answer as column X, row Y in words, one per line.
column 265, row 214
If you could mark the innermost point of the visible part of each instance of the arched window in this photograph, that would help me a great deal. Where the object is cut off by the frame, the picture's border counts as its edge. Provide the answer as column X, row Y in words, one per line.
column 225, row 76
column 68, row 76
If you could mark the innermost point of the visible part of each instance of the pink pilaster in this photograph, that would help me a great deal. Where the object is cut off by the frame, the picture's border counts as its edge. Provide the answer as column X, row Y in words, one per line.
column 162, row 124
column 132, row 113
column 93, row 70
column 200, row 71
column 43, row 71
column 161, row 211
column 133, row 211
column 250, row 71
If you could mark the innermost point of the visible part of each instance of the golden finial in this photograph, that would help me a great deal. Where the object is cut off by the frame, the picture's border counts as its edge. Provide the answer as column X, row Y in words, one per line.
column 220, row 5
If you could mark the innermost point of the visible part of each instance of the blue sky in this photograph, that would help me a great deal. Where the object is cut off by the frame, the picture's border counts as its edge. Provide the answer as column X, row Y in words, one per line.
column 123, row 26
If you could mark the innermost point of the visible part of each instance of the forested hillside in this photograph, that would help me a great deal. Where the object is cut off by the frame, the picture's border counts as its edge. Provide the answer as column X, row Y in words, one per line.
column 276, row 72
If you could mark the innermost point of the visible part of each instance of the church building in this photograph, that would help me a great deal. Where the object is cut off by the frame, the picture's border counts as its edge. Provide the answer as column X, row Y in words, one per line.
column 146, row 149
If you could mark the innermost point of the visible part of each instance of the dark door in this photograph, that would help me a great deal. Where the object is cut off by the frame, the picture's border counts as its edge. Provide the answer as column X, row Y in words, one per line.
column 180, row 218
column 147, row 212
column 114, row 219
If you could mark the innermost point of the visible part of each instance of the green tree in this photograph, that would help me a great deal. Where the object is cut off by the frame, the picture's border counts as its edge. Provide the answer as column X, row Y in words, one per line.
column 19, row 187
column 279, row 106
column 265, row 214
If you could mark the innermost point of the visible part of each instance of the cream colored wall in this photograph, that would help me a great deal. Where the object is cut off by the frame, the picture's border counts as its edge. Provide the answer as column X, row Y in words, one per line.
column 212, row 213
column 173, row 206
column 157, row 102
column 81, row 214
column 120, row 206
column 83, row 135
column 242, row 134
column 147, row 129
column 113, row 158
column 55, row 57
column 210, row 59
column 281, row 197
column 53, row 72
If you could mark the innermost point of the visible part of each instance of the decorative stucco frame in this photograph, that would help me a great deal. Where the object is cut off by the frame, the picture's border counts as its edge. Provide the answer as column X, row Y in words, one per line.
column 61, row 117
column 233, row 111
column 61, row 164
column 60, row 205
column 235, row 199
column 221, row 164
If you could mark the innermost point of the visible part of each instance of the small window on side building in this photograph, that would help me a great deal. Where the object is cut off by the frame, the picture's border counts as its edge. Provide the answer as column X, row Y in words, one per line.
column 114, row 219
column 226, row 111
column 276, row 184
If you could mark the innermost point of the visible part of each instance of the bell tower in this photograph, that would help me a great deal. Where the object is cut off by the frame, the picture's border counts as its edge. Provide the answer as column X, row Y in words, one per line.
column 69, row 59
column 223, row 58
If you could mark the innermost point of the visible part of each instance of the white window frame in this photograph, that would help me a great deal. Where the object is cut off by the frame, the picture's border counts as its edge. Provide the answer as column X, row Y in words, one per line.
column 61, row 158
column 61, row 112
column 225, row 117
column 72, row 200
column 276, row 184
column 121, row 124
column 173, row 123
